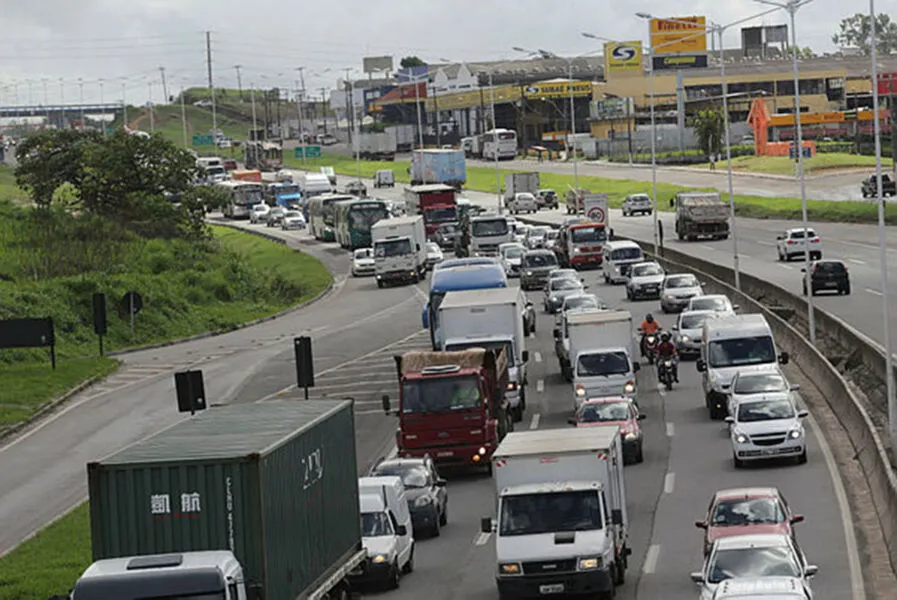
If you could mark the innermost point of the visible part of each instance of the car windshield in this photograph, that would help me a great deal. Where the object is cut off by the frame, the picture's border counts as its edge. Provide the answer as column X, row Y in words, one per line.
column 440, row 215
column 375, row 524
column 413, row 476
column 750, row 412
column 681, row 281
column 440, row 394
column 564, row 283
column 646, row 271
column 573, row 302
column 639, row 199
column 739, row 512
column 752, row 562
column 716, row 304
column 558, row 273
column 580, row 235
column 433, row 247
column 363, row 253
column 260, row 208
column 742, row 351
column 531, row 514
column 506, row 346
column 626, row 254
column 537, row 232
column 391, row 248
column 602, row 363
column 526, row 197
column 759, row 383
column 497, row 226
column 692, row 321
column 292, row 214
column 514, row 252
column 540, row 260
column 799, row 234
column 604, row 411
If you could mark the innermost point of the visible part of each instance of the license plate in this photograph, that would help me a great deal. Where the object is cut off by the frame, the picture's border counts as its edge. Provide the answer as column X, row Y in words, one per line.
column 553, row 588
column 831, row 284
column 442, row 454
column 768, row 452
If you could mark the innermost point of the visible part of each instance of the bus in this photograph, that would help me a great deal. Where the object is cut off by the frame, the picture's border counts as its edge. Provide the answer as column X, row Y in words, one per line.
column 320, row 215
column 352, row 221
column 243, row 195
column 500, row 143
column 265, row 156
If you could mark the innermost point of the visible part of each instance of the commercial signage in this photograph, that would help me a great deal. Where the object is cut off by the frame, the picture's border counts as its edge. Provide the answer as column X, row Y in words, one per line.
column 558, row 89
column 612, row 109
column 674, row 63
column 377, row 64
column 678, row 34
column 623, row 56
column 887, row 84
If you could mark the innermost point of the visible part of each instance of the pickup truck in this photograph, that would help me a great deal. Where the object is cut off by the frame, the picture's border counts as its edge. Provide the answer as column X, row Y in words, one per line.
column 870, row 187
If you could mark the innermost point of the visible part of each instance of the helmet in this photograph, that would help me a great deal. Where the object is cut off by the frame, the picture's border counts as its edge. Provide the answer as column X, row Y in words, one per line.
column 665, row 336
column 649, row 318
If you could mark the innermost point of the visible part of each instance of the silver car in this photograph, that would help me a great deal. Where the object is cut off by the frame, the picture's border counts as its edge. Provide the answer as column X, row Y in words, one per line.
column 568, row 273
column 644, row 281
column 558, row 289
column 292, row 219
column 747, row 385
column 715, row 302
column 535, row 237
column 767, row 427
column 688, row 330
column 510, row 255
column 677, row 290
column 579, row 303
column 535, row 267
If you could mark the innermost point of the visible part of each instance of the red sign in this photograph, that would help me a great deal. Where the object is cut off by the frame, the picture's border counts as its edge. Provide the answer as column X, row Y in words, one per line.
column 887, row 84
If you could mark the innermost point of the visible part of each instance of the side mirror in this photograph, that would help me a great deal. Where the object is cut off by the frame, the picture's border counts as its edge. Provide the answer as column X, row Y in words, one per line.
column 784, row 358
column 672, row 202
column 585, row 287
column 401, row 530
column 794, row 388
column 418, row 247
column 803, row 270
column 486, row 525
column 730, row 420
column 701, row 365
column 529, row 304
column 797, row 519
column 736, row 307
column 811, row 570
column 557, row 333
column 779, row 238
column 802, row 414
column 675, row 328
column 697, row 578
column 385, row 400
column 571, row 421
column 616, row 516
column 440, row 483
column 700, row 524
column 636, row 367
column 702, row 284
column 525, row 356
column 642, row 417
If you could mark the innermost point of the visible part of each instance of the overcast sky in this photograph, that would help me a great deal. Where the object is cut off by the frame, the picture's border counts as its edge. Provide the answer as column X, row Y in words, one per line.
column 127, row 41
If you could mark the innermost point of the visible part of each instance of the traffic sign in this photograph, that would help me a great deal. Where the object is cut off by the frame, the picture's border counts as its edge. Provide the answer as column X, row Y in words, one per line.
column 596, row 213
column 310, row 151
column 203, row 140
column 792, row 152
column 131, row 303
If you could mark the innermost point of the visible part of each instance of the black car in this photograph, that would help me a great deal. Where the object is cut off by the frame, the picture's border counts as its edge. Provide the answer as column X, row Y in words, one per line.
column 828, row 275
column 445, row 235
column 427, row 496
column 547, row 199
column 870, row 186
column 357, row 188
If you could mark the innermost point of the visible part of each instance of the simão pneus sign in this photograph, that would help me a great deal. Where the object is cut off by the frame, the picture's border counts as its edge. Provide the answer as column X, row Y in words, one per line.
column 623, row 56
column 558, row 89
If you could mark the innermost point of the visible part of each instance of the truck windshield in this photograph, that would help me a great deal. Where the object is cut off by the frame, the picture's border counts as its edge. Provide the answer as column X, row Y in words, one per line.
column 391, row 248
column 602, row 363
column 582, row 235
column 742, row 351
column 440, row 215
column 531, row 514
column 487, row 345
column 362, row 217
column 540, row 261
column 375, row 524
column 440, row 394
column 287, row 190
column 497, row 226
column 627, row 254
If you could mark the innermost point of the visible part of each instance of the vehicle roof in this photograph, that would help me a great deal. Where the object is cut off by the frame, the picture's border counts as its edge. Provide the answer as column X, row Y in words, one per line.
column 747, row 492
column 622, row 244
column 598, row 317
column 464, row 262
column 189, row 560
column 555, row 441
column 753, row 540
column 314, row 177
column 800, row 229
column 748, row 374
column 370, row 502
column 552, row 487
column 488, row 217
column 582, row 295
column 409, row 461
column 764, row 397
column 607, row 400
column 469, row 277
column 482, row 297
column 508, row 245
column 640, row 196
column 539, row 251
column 742, row 325
column 645, row 263
column 671, row 275
column 397, row 221
column 749, row 586
column 430, row 187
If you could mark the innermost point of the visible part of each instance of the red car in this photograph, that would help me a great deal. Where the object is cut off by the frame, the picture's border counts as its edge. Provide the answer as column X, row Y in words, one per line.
column 741, row 511
column 614, row 410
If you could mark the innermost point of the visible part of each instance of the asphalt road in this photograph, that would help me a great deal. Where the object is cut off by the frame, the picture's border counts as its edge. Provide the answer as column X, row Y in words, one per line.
column 687, row 458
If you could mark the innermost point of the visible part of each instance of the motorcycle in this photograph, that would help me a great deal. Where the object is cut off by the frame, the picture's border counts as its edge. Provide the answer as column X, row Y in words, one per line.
column 650, row 342
column 665, row 372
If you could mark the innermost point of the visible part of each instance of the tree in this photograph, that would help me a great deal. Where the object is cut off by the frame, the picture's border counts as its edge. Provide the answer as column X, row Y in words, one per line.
column 857, row 31
column 49, row 159
column 805, row 52
column 411, row 61
column 708, row 125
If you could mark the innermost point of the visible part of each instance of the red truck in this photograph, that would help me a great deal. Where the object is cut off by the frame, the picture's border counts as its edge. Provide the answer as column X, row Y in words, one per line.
column 436, row 202
column 452, row 405
column 581, row 244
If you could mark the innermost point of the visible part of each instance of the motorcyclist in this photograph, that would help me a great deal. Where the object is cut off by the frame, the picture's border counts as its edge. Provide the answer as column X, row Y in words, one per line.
column 667, row 349
column 648, row 327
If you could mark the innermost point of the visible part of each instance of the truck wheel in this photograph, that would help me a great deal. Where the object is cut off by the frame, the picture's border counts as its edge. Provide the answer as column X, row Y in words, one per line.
column 409, row 566
column 517, row 412
column 395, row 576
column 619, row 571
column 380, row 284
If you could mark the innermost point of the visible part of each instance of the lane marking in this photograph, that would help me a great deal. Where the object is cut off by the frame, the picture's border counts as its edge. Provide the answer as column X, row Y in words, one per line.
column 857, row 261
column 537, row 356
column 481, row 539
column 789, row 267
column 534, row 422
column 707, row 246
column 669, row 482
column 540, row 386
column 764, row 243
column 874, row 292
column 671, row 429
column 651, row 559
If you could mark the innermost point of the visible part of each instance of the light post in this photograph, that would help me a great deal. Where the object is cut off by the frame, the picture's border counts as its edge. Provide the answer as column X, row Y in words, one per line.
column 356, row 139
column 62, row 101
column 416, row 81
column 791, row 6
column 183, row 118
column 882, row 238
column 102, row 121
column 124, row 102
column 81, row 100
column 149, row 104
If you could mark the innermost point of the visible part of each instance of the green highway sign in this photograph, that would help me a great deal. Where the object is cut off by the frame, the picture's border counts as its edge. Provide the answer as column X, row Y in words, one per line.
column 310, row 151
column 203, row 140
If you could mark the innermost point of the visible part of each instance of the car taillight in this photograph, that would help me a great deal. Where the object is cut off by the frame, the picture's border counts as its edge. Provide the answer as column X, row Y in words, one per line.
column 814, row 240
column 790, row 242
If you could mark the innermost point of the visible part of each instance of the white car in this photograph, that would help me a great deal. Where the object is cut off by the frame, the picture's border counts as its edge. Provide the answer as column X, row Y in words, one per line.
column 568, row 273
column 434, row 254
column 578, row 303
column 644, row 281
column 763, row 588
column 363, row 262
column 292, row 219
column 753, row 555
column 767, row 427
column 637, row 203
column 283, row 176
column 520, row 231
column 688, row 330
column 677, row 290
column 510, row 254
column 792, row 243
column 715, row 302
column 535, row 237
column 558, row 289
column 259, row 213
column 523, row 202
column 747, row 385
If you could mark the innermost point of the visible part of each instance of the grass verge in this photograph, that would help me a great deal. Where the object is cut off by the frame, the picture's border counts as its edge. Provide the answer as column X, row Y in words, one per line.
column 782, row 165
column 759, row 207
column 8, row 188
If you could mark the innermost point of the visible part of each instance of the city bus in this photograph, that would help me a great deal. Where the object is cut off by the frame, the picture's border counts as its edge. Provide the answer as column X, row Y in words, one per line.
column 320, row 215
column 243, row 195
column 264, row 156
column 500, row 142
column 352, row 221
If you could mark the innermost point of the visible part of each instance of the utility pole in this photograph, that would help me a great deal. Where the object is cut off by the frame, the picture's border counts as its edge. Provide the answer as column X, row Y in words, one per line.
column 184, row 119
column 149, row 102
column 164, row 86
column 349, row 94
column 239, row 80
column 300, row 96
column 324, row 107
column 211, row 86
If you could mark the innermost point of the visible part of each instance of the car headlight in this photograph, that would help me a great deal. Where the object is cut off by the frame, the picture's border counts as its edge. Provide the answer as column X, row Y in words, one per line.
column 631, row 435
column 554, row 300
column 795, row 433
column 580, row 391
column 668, row 298
column 629, row 387
column 423, row 501
column 589, row 564
column 684, row 338
column 740, row 437
column 379, row 558
column 529, row 273
column 510, row 569
column 576, row 250
column 512, row 385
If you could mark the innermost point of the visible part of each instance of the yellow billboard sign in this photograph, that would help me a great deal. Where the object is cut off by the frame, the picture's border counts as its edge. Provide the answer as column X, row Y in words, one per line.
column 557, row 89
column 623, row 56
column 679, row 34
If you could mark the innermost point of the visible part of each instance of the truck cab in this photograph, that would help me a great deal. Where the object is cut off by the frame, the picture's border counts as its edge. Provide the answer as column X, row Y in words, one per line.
column 400, row 252
column 581, row 244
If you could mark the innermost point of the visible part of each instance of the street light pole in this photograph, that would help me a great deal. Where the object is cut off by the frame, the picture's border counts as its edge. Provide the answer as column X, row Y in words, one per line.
column 573, row 126
column 654, row 156
column 495, row 140
column 420, row 126
column 722, row 70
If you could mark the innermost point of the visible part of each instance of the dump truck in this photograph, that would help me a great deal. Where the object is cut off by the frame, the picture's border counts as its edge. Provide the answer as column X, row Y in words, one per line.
column 701, row 215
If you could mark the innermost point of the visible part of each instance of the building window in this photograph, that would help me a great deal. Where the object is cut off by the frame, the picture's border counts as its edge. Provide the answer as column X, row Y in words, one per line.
column 785, row 87
column 697, row 92
column 812, row 86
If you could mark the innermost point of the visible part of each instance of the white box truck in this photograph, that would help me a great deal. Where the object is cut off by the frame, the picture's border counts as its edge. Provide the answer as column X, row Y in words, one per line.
column 602, row 356
column 520, row 183
column 400, row 250
column 375, row 146
column 490, row 319
column 562, row 524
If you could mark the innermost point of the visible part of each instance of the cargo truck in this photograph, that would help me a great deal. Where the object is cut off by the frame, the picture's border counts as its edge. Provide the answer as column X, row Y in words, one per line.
column 452, row 405
column 491, row 319
column 581, row 330
column 404, row 136
column 400, row 250
column 603, row 362
column 562, row 525
column 436, row 203
column 246, row 501
column 520, row 183
column 481, row 235
column 701, row 214
column 439, row 166
column 574, row 200
column 375, row 146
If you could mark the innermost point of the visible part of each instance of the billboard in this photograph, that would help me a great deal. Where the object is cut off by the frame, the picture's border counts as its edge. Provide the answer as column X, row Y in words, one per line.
column 679, row 34
column 377, row 64
column 612, row 109
column 622, row 56
column 558, row 89
column 676, row 62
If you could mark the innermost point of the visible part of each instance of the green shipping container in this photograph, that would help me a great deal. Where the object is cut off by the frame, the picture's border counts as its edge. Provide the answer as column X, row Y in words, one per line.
column 275, row 483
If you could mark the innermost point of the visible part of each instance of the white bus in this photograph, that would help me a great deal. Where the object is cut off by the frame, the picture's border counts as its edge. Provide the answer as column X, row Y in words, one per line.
column 243, row 196
column 501, row 143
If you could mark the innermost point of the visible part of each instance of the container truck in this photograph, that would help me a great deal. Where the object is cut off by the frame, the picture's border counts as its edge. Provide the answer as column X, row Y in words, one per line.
column 255, row 501
column 400, row 250
column 452, row 405
column 562, row 525
column 375, row 146
column 404, row 136
column 520, row 183
column 439, row 166
column 437, row 203
column 701, row 214
column 585, row 329
column 491, row 319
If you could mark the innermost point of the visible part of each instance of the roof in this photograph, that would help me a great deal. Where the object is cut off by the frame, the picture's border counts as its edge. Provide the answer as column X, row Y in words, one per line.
column 749, row 324
column 539, row 251
column 604, row 316
column 188, row 560
column 608, row 399
column 416, row 361
column 482, row 297
column 700, row 198
column 551, row 487
column 431, row 187
column 764, row 397
column 396, row 221
column 468, row 277
column 370, row 502
column 747, row 492
column 556, row 441
column 622, row 244
column 227, row 432
column 752, row 540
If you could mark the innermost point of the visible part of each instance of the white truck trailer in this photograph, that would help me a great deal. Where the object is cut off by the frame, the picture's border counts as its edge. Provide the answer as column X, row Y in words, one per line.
column 400, row 250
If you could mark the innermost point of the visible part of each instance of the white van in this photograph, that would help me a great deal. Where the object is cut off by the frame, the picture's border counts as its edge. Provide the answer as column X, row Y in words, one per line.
column 313, row 184
column 389, row 538
column 618, row 257
column 733, row 344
